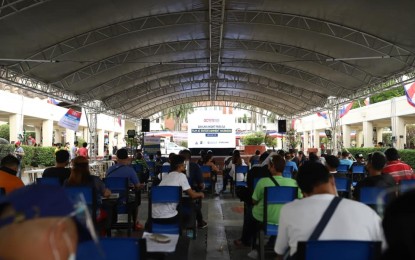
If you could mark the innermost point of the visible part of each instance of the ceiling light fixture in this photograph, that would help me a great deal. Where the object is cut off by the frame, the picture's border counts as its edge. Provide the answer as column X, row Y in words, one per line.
column 360, row 58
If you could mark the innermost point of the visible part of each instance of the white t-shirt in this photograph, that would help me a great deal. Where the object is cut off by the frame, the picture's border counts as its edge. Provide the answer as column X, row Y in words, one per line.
column 168, row 210
column 239, row 176
column 351, row 220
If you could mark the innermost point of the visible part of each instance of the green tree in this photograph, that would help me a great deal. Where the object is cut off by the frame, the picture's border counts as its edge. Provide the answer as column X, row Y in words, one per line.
column 179, row 113
column 5, row 131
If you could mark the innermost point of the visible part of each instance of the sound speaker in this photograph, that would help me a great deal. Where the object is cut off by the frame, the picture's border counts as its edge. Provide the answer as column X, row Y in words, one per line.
column 145, row 125
column 131, row 133
column 328, row 133
column 282, row 126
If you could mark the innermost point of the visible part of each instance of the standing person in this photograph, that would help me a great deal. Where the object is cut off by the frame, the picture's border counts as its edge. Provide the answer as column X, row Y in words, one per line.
column 19, row 153
column 351, row 220
column 83, row 151
column 74, row 150
column 59, row 171
column 227, row 167
column 8, row 171
column 32, row 140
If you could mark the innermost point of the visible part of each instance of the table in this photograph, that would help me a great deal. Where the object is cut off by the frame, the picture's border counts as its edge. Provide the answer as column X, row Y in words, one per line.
column 33, row 174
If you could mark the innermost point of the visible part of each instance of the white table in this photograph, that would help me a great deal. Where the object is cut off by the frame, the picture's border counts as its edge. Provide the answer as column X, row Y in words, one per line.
column 33, row 174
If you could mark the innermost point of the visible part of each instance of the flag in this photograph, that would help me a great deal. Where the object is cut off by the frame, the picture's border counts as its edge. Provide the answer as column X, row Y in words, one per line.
column 322, row 114
column 367, row 101
column 410, row 93
column 119, row 120
column 53, row 101
column 71, row 119
column 344, row 109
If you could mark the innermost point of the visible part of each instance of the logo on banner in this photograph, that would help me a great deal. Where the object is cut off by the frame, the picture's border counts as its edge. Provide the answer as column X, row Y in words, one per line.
column 71, row 119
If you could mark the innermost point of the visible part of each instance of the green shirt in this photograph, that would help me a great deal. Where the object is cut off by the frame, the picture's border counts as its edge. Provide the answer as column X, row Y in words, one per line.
column 273, row 210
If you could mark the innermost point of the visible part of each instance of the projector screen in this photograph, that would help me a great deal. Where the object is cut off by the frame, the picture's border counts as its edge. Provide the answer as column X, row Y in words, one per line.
column 211, row 129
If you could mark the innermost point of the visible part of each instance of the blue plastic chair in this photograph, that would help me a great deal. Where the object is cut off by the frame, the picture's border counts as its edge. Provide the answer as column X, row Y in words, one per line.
column 165, row 168
column 357, row 170
column 273, row 195
column 120, row 185
column 288, row 171
column 406, row 185
column 343, row 185
column 151, row 168
column 164, row 194
column 369, row 195
column 239, row 169
column 89, row 195
column 339, row 250
column 112, row 249
column 343, row 168
column 54, row 181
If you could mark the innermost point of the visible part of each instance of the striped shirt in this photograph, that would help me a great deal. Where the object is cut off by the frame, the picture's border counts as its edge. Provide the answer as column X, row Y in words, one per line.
column 399, row 170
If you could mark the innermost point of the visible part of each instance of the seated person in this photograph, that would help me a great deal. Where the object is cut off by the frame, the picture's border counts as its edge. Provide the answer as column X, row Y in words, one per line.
column 396, row 168
column 81, row 176
column 399, row 227
column 351, row 220
column 8, row 171
column 275, row 166
column 36, row 223
column 166, row 213
column 375, row 166
column 143, row 176
column 345, row 160
column 59, row 171
column 123, row 170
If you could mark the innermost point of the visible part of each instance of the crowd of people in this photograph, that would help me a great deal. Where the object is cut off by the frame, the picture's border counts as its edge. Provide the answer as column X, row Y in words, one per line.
column 314, row 177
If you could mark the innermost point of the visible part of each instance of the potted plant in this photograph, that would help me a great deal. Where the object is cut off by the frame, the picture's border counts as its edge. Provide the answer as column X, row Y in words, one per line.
column 253, row 142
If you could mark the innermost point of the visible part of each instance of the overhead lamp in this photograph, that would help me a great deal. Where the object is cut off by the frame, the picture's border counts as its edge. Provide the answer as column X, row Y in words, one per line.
column 22, row 60
column 360, row 58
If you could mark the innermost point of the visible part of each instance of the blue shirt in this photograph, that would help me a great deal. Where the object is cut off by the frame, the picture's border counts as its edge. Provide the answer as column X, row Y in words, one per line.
column 123, row 171
column 346, row 162
column 293, row 164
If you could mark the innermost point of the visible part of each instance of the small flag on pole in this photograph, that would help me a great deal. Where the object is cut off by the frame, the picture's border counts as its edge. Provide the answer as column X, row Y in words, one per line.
column 410, row 93
column 53, row 101
column 367, row 101
column 344, row 109
column 322, row 114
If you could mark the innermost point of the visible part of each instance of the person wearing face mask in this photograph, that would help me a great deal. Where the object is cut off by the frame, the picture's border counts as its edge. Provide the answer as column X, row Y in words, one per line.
column 38, row 222
column 351, row 220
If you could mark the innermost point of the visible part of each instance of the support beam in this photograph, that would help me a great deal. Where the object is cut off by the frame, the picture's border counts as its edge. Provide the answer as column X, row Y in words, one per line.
column 368, row 133
column 216, row 21
column 47, row 132
column 346, row 135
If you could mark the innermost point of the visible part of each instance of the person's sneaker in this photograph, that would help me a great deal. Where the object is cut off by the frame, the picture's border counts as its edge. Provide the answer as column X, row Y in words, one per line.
column 202, row 224
column 253, row 254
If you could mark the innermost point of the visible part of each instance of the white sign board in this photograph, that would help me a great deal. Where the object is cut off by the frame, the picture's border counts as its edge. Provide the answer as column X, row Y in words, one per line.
column 211, row 129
